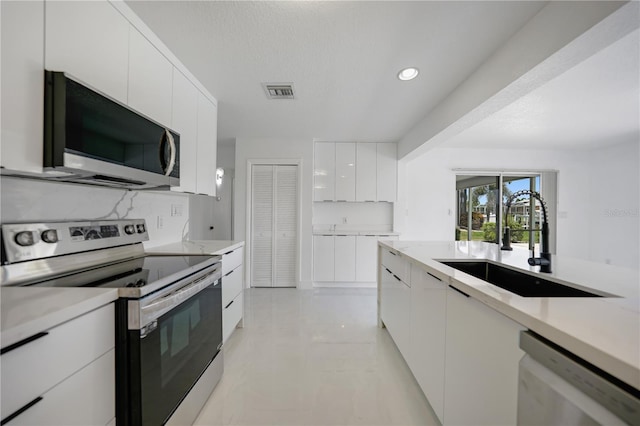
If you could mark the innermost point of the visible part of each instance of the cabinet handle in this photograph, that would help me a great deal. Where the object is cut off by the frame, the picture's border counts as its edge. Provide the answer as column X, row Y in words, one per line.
column 434, row 276
column 20, row 411
column 387, row 269
column 459, row 291
column 396, row 277
column 167, row 166
column 23, row 342
column 229, row 252
column 230, row 303
column 229, row 273
column 392, row 253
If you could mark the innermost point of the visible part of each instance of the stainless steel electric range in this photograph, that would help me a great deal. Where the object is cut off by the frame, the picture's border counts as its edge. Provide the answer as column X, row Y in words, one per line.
column 168, row 314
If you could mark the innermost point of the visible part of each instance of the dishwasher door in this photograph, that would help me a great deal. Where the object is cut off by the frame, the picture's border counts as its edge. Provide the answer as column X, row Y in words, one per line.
column 557, row 388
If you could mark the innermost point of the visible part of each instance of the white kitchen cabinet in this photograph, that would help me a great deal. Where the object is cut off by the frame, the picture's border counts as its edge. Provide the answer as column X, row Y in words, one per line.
column 344, row 258
column 387, row 171
column 185, row 121
column 345, row 171
column 232, row 291
column 90, row 41
column 323, row 258
column 426, row 357
column 367, row 256
column 207, row 137
column 150, row 79
column 366, row 172
column 394, row 309
column 46, row 370
column 324, row 171
column 22, row 85
column 481, row 371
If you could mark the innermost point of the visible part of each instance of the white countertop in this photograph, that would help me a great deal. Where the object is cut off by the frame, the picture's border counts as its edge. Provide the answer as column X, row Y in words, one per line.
column 212, row 247
column 372, row 233
column 25, row 311
column 604, row 331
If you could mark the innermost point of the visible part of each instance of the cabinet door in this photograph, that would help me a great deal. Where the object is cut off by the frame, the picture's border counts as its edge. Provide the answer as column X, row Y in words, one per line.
column 366, row 175
column 185, row 121
column 324, row 170
column 481, row 372
column 150, row 79
column 323, row 258
column 397, row 298
column 207, row 146
column 90, row 41
column 428, row 320
column 345, row 258
column 22, row 85
column 366, row 258
column 345, row 171
column 387, row 172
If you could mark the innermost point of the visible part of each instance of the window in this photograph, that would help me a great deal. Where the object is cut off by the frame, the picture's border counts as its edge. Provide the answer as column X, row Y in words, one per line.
column 481, row 207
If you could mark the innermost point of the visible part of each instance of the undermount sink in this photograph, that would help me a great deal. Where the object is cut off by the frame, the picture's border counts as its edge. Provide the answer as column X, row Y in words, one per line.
column 521, row 283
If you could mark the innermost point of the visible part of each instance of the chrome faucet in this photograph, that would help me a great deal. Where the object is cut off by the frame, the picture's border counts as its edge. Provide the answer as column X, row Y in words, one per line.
column 544, row 261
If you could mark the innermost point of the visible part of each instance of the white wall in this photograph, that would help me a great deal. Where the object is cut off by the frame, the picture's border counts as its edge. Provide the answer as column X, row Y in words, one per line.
column 26, row 200
column 614, row 207
column 277, row 149
column 427, row 196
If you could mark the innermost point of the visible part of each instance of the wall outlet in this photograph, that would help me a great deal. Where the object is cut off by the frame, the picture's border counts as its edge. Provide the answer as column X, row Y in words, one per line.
column 176, row 210
column 160, row 222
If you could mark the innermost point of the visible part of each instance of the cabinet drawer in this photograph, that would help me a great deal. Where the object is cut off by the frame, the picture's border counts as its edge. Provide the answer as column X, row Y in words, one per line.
column 30, row 370
column 399, row 266
column 85, row 398
column 231, row 315
column 232, row 260
column 231, row 285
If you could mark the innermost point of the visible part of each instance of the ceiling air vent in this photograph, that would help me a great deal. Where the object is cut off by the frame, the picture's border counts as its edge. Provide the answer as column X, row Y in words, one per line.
column 278, row 90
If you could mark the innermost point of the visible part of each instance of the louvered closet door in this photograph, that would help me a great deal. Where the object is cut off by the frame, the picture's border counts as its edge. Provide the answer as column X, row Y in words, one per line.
column 261, row 226
column 274, row 219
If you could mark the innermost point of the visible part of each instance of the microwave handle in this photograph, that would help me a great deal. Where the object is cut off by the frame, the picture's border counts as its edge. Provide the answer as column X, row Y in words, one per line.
column 167, row 168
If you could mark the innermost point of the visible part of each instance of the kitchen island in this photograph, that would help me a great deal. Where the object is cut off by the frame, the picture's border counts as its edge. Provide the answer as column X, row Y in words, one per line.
column 604, row 331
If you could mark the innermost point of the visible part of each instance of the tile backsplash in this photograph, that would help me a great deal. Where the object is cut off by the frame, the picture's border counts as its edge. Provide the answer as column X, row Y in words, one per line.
column 30, row 200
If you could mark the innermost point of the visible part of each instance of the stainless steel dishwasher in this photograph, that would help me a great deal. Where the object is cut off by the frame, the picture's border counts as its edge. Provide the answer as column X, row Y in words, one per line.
column 557, row 388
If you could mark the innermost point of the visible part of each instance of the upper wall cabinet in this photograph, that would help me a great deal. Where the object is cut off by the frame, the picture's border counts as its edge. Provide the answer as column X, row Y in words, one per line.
column 324, row 169
column 207, row 146
column 355, row 171
column 387, row 171
column 22, row 85
column 150, row 79
column 185, row 121
column 90, row 41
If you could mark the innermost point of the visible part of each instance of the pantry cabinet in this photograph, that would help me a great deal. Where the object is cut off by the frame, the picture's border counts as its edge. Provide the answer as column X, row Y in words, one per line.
column 345, row 171
column 366, row 172
column 324, row 170
column 90, row 41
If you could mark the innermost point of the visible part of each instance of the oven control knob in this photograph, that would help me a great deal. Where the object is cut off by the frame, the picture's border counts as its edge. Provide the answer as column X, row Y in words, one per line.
column 140, row 227
column 24, row 238
column 129, row 229
column 49, row 236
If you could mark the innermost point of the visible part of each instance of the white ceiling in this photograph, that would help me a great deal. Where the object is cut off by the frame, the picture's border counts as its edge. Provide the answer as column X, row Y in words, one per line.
column 595, row 103
column 342, row 57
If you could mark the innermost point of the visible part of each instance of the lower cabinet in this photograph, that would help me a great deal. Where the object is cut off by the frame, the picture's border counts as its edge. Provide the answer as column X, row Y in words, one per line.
column 232, row 291
column 394, row 312
column 481, row 373
column 63, row 375
column 426, row 356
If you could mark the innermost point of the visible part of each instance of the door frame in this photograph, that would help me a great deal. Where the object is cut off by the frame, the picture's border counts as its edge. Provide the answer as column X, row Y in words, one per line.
column 249, row 196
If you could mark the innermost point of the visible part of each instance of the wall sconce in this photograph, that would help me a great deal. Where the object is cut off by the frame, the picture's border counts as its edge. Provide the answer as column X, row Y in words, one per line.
column 219, row 175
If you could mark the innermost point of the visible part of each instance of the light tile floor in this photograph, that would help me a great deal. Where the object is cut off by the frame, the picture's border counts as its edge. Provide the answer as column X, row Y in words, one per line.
column 314, row 357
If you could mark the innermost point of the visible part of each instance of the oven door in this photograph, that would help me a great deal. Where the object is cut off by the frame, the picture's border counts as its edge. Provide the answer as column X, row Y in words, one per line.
column 178, row 337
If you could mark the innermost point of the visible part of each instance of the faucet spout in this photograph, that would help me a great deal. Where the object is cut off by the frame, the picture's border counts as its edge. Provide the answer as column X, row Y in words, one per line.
column 544, row 261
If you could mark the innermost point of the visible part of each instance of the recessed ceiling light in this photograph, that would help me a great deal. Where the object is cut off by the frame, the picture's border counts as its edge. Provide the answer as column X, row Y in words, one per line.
column 408, row 74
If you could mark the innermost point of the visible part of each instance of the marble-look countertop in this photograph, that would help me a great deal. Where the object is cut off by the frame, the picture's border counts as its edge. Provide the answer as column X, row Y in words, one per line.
column 604, row 331
column 212, row 247
column 26, row 311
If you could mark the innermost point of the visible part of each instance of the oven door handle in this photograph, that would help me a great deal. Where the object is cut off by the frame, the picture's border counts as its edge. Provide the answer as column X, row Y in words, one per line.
column 158, row 307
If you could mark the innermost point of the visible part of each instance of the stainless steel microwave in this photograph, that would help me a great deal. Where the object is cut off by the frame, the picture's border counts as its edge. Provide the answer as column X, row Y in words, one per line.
column 91, row 138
